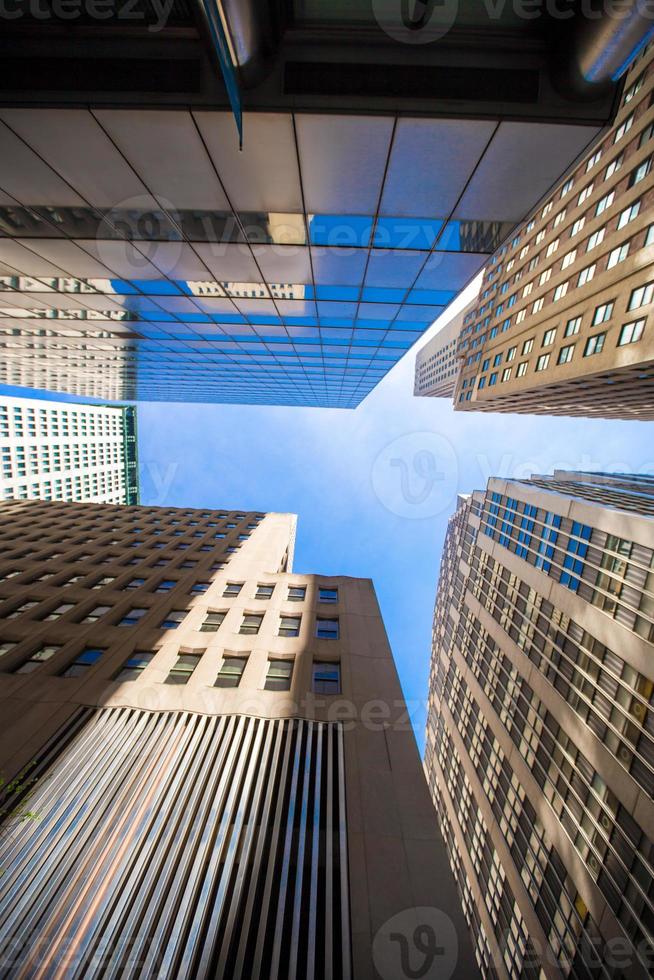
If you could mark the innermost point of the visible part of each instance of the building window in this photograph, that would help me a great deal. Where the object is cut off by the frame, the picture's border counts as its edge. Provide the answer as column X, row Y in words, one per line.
column 264, row 591
column 133, row 617
column 135, row 583
column 633, row 89
column 278, row 676
column 604, row 203
column 6, row 648
column 640, row 172
column 173, row 619
column 232, row 589
column 595, row 239
column 289, row 625
column 328, row 595
column 327, row 629
column 198, row 588
column 326, row 678
column 251, row 623
column 624, row 128
column 565, row 354
column 183, row 668
column 602, row 314
column 522, row 369
column 96, row 614
column 19, row 610
column 37, row 658
column 511, row 353
column 618, row 255
column 567, row 187
column 528, row 346
column 58, row 612
column 212, row 622
column 134, row 666
column 297, row 593
column 560, row 291
column 628, row 215
column 585, row 194
column 590, row 163
column 231, row 671
column 542, row 362
column 577, row 226
column 506, row 374
column 572, row 326
column 630, row 333
column 594, row 345
column 569, row 259
column 81, row 664
column 166, row 585
column 613, row 167
column 549, row 337
column 586, row 275
column 641, row 296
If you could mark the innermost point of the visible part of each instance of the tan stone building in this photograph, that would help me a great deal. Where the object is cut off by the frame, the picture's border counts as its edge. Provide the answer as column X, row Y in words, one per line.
column 437, row 363
column 563, row 322
column 228, row 782
column 540, row 741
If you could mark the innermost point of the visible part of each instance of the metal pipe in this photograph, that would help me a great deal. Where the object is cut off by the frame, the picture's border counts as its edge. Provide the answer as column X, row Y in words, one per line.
column 602, row 42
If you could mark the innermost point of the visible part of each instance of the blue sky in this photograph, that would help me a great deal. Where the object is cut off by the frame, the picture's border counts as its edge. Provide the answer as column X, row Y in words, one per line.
column 373, row 487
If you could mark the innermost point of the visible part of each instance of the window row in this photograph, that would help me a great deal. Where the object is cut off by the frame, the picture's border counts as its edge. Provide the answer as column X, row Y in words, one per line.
column 326, row 675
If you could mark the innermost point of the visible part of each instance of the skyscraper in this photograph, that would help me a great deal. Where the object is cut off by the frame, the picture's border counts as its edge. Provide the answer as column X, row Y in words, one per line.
column 563, row 326
column 437, row 363
column 228, row 782
column 145, row 255
column 540, row 741
column 66, row 451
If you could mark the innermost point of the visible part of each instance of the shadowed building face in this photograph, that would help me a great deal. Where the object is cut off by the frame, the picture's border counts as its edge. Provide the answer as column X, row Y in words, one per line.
column 540, row 739
column 227, row 779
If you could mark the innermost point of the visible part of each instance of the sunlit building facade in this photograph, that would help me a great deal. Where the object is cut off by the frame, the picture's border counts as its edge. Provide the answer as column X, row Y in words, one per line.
column 437, row 363
column 540, row 739
column 564, row 321
column 66, row 451
column 227, row 781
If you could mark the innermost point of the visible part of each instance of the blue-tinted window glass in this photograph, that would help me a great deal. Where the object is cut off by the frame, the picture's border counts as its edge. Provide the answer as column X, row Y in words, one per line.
column 157, row 287
column 340, row 229
column 411, row 233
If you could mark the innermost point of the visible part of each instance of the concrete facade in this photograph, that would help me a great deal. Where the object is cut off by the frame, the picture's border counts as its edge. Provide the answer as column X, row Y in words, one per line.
column 229, row 593
column 540, row 745
column 65, row 451
column 437, row 363
column 563, row 325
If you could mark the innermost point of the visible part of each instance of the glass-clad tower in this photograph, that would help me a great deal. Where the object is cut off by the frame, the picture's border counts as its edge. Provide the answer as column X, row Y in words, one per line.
column 540, row 739
column 146, row 254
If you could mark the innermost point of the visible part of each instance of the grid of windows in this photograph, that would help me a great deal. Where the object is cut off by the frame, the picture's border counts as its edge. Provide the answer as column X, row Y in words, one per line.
column 496, row 639
column 544, row 265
